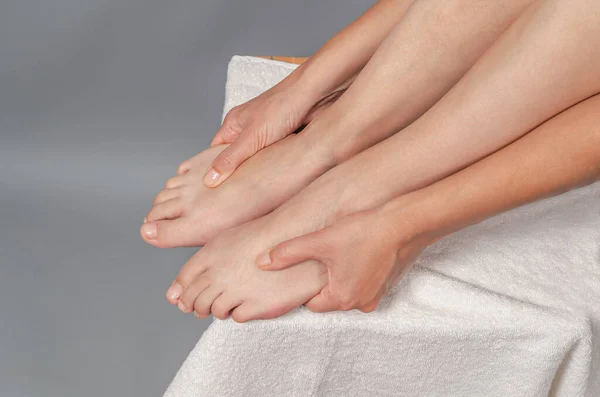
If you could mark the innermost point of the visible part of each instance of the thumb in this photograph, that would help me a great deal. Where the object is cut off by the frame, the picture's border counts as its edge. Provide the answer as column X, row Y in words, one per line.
column 229, row 160
column 230, row 130
column 292, row 252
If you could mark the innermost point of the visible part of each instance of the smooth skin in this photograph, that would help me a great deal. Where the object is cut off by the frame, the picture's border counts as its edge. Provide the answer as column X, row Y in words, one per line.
column 512, row 79
column 304, row 94
column 401, row 81
column 366, row 252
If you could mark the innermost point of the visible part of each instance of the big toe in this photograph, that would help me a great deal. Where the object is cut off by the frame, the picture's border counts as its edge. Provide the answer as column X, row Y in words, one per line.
column 180, row 232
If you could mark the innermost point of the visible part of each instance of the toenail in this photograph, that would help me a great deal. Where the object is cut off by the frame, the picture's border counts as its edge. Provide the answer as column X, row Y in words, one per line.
column 181, row 307
column 264, row 259
column 149, row 230
column 183, row 168
column 174, row 291
column 211, row 178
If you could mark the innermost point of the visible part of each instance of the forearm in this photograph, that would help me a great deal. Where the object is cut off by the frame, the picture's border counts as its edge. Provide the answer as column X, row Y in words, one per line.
column 334, row 66
column 431, row 48
column 560, row 155
column 507, row 93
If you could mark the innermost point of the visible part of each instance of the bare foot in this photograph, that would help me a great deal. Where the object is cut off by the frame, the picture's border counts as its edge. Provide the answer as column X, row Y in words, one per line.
column 187, row 213
column 223, row 278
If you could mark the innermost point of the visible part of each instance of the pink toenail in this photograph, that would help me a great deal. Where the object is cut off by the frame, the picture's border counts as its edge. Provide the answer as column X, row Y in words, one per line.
column 183, row 168
column 211, row 178
column 174, row 291
column 149, row 230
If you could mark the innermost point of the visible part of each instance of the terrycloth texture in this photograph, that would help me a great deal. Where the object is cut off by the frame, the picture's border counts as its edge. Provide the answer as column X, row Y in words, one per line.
column 508, row 307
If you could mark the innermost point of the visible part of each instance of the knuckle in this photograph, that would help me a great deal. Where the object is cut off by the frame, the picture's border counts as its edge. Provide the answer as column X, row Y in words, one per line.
column 346, row 300
column 281, row 252
column 232, row 124
column 224, row 161
column 322, row 248
column 232, row 114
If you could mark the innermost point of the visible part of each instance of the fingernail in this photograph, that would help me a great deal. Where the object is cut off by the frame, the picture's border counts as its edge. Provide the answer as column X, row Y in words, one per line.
column 264, row 259
column 212, row 177
column 145, row 220
column 174, row 291
column 197, row 315
column 181, row 307
column 149, row 230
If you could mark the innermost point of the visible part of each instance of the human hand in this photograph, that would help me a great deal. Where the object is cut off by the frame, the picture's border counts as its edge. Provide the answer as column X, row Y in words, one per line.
column 262, row 121
column 365, row 253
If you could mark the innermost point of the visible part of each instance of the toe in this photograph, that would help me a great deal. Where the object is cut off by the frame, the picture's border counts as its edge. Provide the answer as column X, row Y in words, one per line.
column 180, row 232
column 191, row 292
column 167, row 194
column 242, row 313
column 245, row 312
column 204, row 302
column 174, row 292
column 169, row 209
column 175, row 181
column 184, row 167
column 254, row 311
column 223, row 305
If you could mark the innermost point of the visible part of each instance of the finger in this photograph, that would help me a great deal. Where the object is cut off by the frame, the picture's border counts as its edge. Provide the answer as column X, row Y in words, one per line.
column 292, row 252
column 229, row 159
column 321, row 303
column 218, row 139
column 372, row 304
column 229, row 131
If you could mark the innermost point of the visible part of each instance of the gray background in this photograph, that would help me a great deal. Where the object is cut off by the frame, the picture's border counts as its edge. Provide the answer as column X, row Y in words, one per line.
column 99, row 102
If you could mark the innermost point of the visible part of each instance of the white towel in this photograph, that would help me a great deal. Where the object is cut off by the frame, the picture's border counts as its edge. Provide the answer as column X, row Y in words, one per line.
column 508, row 307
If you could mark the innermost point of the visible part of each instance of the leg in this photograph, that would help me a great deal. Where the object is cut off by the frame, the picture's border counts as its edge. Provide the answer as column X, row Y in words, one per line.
column 428, row 150
column 401, row 81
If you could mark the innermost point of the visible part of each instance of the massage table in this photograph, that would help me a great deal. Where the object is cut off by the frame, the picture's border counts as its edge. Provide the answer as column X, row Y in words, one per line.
column 508, row 307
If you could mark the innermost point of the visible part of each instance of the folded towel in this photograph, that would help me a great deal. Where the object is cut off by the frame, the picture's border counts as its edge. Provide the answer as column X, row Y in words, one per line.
column 508, row 307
